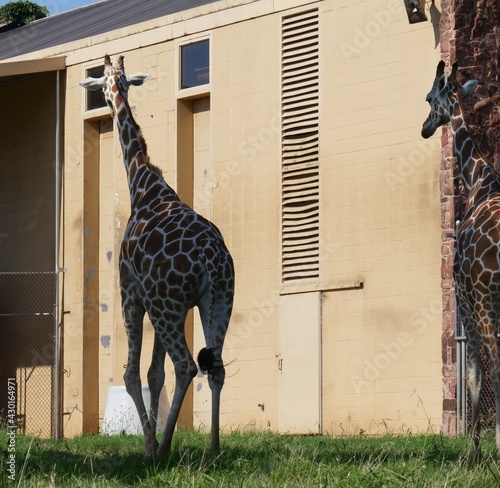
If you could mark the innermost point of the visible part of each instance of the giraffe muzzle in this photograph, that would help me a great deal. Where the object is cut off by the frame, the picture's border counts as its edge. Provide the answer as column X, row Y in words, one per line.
column 428, row 129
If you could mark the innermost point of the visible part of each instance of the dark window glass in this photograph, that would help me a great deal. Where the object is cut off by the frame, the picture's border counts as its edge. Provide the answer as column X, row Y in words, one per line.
column 95, row 99
column 195, row 69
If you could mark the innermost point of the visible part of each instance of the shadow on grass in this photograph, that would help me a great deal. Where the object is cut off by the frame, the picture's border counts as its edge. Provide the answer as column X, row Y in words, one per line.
column 120, row 459
column 83, row 459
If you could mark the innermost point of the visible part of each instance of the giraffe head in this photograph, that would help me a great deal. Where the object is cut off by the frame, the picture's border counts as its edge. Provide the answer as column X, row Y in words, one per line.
column 114, row 81
column 444, row 94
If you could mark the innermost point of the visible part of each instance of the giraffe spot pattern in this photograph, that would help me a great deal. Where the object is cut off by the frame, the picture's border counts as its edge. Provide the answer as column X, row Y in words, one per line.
column 171, row 260
column 477, row 249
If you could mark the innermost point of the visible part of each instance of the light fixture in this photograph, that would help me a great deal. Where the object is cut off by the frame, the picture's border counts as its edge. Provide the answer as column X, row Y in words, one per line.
column 415, row 9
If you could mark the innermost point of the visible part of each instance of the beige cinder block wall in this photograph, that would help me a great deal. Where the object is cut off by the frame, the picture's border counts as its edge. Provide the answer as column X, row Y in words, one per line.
column 379, row 224
column 380, row 220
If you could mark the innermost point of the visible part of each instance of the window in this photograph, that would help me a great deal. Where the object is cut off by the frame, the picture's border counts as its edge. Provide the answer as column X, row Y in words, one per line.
column 95, row 99
column 195, row 67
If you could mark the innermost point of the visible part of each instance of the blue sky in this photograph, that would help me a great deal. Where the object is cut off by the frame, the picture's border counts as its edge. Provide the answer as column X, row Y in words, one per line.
column 58, row 6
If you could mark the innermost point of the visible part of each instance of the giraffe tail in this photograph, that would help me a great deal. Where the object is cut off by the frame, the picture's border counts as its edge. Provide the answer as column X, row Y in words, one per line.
column 206, row 360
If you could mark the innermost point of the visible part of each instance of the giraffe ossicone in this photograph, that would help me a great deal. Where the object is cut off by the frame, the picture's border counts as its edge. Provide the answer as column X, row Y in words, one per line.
column 171, row 260
column 477, row 248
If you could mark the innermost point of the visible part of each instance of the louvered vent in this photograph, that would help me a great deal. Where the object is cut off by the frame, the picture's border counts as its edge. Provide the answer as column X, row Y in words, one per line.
column 300, row 147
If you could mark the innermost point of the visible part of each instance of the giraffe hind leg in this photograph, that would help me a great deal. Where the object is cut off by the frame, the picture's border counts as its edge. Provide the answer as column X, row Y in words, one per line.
column 215, row 370
column 156, row 380
column 216, row 377
column 185, row 370
column 486, row 322
column 215, row 312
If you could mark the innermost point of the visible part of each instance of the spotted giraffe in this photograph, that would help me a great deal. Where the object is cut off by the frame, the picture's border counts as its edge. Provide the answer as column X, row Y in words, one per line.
column 477, row 250
column 171, row 260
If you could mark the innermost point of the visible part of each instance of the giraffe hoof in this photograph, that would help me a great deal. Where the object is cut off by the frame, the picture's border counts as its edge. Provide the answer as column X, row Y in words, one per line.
column 150, row 448
column 475, row 457
column 163, row 449
column 162, row 452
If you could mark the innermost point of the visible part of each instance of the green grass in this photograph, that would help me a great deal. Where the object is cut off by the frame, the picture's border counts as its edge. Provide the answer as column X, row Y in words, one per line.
column 252, row 460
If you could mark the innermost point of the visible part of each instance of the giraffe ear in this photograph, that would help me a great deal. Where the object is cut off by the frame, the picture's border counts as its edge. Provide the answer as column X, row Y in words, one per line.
column 468, row 87
column 440, row 69
column 138, row 79
column 92, row 84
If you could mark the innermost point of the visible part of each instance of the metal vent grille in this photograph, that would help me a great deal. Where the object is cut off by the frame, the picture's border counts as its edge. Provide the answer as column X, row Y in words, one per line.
column 300, row 147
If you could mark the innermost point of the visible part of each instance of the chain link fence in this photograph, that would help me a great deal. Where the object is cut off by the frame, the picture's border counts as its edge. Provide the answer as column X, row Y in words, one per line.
column 28, row 350
column 464, row 404
column 487, row 404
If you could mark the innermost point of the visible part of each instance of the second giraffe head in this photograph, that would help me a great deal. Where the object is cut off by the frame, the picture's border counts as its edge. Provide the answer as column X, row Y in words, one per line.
column 444, row 94
column 114, row 81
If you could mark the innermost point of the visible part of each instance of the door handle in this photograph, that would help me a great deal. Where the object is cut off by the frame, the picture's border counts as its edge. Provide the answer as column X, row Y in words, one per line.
column 280, row 362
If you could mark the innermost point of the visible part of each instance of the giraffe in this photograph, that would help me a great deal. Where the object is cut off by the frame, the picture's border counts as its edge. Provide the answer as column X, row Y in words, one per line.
column 171, row 259
column 477, row 249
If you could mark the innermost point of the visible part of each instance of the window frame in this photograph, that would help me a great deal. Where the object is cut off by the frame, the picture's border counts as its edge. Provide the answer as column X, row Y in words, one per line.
column 98, row 112
column 206, row 46
column 195, row 91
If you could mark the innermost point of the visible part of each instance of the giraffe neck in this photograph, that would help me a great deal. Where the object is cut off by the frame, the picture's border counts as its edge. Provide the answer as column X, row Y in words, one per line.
column 479, row 178
column 469, row 158
column 142, row 176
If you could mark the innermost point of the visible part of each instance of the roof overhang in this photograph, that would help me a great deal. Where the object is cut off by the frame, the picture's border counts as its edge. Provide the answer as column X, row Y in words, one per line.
column 19, row 68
